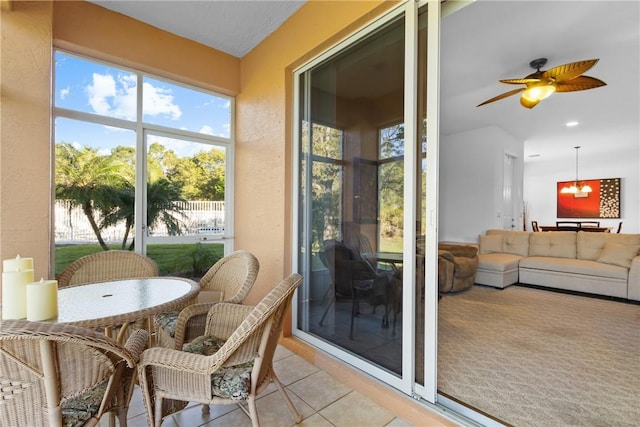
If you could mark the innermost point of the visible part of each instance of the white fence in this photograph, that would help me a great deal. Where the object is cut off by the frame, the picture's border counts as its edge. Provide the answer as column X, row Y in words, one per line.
column 198, row 217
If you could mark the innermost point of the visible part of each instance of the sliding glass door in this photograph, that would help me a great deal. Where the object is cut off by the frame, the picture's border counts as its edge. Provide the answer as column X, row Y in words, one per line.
column 363, row 236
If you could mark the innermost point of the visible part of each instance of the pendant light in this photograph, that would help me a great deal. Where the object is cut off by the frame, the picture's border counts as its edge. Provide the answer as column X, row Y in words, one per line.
column 576, row 186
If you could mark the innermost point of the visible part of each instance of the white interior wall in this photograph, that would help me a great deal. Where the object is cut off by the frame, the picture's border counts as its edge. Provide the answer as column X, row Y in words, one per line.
column 541, row 177
column 471, row 177
column 471, row 183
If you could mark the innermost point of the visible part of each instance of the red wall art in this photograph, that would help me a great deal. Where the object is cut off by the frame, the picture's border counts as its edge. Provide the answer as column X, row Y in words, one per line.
column 602, row 202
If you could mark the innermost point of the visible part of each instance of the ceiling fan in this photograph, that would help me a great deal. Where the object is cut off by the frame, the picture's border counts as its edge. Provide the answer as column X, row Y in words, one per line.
column 541, row 84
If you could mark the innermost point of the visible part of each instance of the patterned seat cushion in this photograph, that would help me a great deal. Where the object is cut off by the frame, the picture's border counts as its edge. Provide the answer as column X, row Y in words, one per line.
column 77, row 411
column 229, row 382
column 168, row 321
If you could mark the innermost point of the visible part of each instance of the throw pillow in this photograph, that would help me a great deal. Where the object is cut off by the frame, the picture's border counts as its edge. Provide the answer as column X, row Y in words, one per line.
column 491, row 244
column 617, row 254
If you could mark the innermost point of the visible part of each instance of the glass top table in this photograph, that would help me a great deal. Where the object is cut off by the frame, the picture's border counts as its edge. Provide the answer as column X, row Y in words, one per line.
column 116, row 302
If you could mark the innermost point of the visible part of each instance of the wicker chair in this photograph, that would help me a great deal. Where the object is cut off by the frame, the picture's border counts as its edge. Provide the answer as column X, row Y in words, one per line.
column 234, row 364
column 228, row 280
column 107, row 265
column 62, row 375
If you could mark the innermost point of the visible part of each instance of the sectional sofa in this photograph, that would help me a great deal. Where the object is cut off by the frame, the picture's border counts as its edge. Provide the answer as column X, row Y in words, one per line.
column 596, row 263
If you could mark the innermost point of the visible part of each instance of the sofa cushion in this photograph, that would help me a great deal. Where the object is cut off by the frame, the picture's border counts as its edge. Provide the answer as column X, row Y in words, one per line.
column 618, row 254
column 498, row 262
column 590, row 245
column 513, row 242
column 574, row 266
column 560, row 244
column 491, row 244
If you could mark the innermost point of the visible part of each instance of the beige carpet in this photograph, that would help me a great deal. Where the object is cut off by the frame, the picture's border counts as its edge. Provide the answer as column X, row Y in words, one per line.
column 532, row 357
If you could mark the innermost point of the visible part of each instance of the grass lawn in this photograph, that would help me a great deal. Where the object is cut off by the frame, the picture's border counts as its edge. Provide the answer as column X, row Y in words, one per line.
column 186, row 260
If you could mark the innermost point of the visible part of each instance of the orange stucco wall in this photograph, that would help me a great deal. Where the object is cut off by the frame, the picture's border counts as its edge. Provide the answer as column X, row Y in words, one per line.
column 25, row 143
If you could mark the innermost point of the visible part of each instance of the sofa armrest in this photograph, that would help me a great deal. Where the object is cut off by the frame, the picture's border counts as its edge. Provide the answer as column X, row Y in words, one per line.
column 633, row 285
column 445, row 254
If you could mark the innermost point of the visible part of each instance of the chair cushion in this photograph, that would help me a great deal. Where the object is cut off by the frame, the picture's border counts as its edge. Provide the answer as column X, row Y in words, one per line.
column 77, row 411
column 168, row 321
column 229, row 382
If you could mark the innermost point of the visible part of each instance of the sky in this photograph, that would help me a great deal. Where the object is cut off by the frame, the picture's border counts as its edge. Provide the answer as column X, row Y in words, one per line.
column 91, row 87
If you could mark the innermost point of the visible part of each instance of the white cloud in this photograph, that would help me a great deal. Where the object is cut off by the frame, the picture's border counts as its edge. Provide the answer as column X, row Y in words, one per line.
column 180, row 147
column 206, row 129
column 100, row 91
column 159, row 101
column 117, row 97
column 64, row 92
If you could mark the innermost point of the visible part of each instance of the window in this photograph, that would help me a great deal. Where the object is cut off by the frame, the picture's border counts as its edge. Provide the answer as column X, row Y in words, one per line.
column 141, row 164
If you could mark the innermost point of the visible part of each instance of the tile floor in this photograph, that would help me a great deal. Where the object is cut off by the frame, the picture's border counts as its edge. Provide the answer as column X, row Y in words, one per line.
column 321, row 400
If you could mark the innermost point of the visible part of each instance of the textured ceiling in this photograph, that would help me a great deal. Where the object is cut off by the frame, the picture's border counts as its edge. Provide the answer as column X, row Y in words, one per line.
column 491, row 40
column 234, row 27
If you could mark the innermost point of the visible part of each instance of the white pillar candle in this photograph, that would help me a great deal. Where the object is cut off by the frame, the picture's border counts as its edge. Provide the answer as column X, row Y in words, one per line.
column 14, row 293
column 17, row 264
column 42, row 300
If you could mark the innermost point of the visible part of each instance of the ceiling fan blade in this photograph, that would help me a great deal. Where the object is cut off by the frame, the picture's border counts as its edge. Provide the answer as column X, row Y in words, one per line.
column 504, row 95
column 524, row 81
column 579, row 83
column 527, row 103
column 569, row 71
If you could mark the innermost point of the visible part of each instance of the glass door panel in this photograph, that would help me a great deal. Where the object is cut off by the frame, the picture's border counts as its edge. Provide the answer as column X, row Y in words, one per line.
column 351, row 199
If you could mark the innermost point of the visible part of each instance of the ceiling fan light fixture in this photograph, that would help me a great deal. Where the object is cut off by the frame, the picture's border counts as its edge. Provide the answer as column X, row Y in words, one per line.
column 541, row 84
column 538, row 92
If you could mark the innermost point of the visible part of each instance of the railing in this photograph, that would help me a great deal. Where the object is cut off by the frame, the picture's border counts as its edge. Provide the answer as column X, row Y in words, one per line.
column 197, row 217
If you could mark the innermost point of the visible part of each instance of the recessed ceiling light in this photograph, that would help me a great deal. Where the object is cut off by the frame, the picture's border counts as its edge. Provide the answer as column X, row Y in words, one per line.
column 571, row 124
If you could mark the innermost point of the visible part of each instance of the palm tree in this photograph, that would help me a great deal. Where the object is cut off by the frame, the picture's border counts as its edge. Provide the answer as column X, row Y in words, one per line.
column 90, row 180
column 163, row 208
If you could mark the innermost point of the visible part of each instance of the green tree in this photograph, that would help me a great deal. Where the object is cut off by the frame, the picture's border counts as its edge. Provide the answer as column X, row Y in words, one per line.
column 89, row 180
column 201, row 177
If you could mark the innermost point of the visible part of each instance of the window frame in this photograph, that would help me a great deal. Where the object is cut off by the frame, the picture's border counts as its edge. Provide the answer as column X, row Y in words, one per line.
column 141, row 128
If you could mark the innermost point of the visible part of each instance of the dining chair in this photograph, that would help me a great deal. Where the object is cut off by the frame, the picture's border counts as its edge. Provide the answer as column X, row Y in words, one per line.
column 54, row 374
column 534, row 226
column 107, row 265
column 232, row 363
column 228, row 280
column 619, row 227
column 568, row 225
column 589, row 224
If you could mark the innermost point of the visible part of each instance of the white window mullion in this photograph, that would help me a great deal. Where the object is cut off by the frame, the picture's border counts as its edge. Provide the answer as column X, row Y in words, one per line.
column 140, row 213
